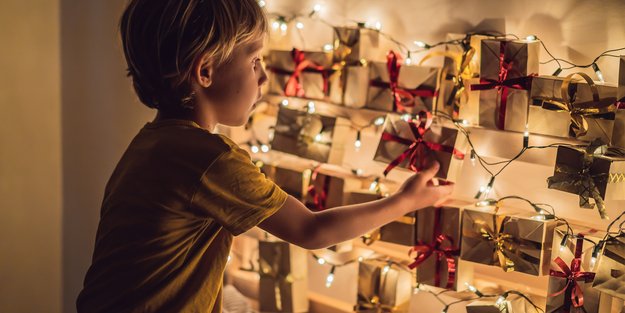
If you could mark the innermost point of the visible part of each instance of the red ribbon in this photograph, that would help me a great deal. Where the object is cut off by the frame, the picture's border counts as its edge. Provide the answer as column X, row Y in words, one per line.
column 572, row 291
column 294, row 87
column 425, row 250
column 402, row 97
column 319, row 198
column 417, row 148
column 503, row 84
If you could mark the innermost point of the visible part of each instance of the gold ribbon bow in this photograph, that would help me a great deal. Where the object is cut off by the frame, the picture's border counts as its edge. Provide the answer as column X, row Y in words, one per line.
column 273, row 271
column 504, row 243
column 374, row 306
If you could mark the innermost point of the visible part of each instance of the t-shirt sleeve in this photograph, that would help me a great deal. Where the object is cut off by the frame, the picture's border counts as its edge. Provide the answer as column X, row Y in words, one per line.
column 236, row 194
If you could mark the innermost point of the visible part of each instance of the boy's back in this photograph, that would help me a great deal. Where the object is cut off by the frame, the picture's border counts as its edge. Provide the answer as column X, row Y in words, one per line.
column 170, row 209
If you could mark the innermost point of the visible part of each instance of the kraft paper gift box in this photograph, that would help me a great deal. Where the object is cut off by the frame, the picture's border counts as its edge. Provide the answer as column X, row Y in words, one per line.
column 397, row 87
column 381, row 290
column 594, row 177
column 353, row 44
column 283, row 277
column 512, row 304
column 324, row 192
column 610, row 268
column 560, row 288
column 475, row 47
column 512, row 240
column 350, row 85
column 438, row 142
column 310, row 136
column 293, row 182
column 438, row 248
column 574, row 114
column 505, row 78
column 618, row 133
column 296, row 73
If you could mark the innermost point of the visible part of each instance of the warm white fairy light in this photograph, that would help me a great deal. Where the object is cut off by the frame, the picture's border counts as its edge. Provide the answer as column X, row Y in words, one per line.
column 284, row 27
column 473, row 158
column 311, row 107
column 328, row 47
column 318, row 137
column 275, row 25
column 262, row 3
column 254, row 149
column 471, row 287
column 500, row 301
column 377, row 25
column 464, row 123
column 358, row 142
column 386, row 268
column 317, row 7
column 285, row 102
column 299, row 25
column 330, row 277
column 374, row 185
column 360, row 259
column 359, row 172
column 406, row 117
column 530, row 38
column 379, row 121
column 420, row 44
column 408, row 61
column 321, row 261
column 595, row 67
column 264, row 148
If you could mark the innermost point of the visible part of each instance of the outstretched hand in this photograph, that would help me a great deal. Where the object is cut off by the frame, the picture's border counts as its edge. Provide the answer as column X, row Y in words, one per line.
column 421, row 190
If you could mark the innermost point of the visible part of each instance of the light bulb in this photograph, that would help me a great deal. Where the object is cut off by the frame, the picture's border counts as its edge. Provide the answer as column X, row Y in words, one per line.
column 317, row 7
column 379, row 121
column 374, row 185
column 359, row 172
column 378, row 25
column 416, row 290
column 275, row 25
column 473, row 157
column 330, row 278
column 254, row 149
column 321, row 261
column 420, row 44
column 285, row 102
column 385, row 269
column 358, row 142
column 500, row 301
column 406, row 117
column 593, row 261
column 360, row 259
column 311, row 107
column 284, row 27
column 264, row 148
column 471, row 287
column 563, row 242
column 318, row 138
column 299, row 25
column 408, row 61
column 465, row 123
column 261, row 3
column 598, row 72
column 530, row 38
column 328, row 47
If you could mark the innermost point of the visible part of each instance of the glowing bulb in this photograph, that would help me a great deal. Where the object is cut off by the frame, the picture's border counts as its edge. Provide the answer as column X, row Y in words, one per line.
column 357, row 144
column 311, row 107
column 379, row 121
column 464, row 123
column 284, row 27
column 420, row 44
column 328, row 47
column 261, row 3
column 360, row 259
column 483, row 189
column 416, row 290
column 500, row 301
column 275, row 25
column 563, row 242
column 374, row 185
column 359, row 172
column 530, row 38
column 299, row 25
column 408, row 61
column 254, row 149
column 318, row 138
column 593, row 261
column 539, row 217
column 330, row 278
column 264, row 148
column 285, row 102
column 321, row 261
column 378, row 25
column 473, row 157
column 229, row 258
column 317, row 8
column 471, row 287
column 386, row 268
column 406, row 117
column 598, row 72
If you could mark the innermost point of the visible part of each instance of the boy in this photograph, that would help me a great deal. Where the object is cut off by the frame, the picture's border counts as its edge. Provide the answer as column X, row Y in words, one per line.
column 180, row 193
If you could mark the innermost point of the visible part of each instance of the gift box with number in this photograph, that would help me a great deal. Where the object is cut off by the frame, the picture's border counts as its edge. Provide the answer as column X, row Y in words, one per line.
column 294, row 181
column 395, row 86
column 571, row 276
column 610, row 268
column 510, row 239
column 412, row 144
column 595, row 173
column 437, row 251
column 310, row 136
column 506, row 71
column 618, row 133
column 383, row 288
column 283, row 277
column 354, row 44
column 564, row 107
column 296, row 73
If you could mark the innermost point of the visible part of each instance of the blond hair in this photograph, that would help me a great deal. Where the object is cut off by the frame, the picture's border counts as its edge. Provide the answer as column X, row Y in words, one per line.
column 162, row 40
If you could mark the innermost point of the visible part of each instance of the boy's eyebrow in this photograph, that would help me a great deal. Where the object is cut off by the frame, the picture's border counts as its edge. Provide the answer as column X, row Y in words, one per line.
column 255, row 47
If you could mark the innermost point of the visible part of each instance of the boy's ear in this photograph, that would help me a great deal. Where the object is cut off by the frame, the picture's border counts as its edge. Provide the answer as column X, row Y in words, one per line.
column 203, row 71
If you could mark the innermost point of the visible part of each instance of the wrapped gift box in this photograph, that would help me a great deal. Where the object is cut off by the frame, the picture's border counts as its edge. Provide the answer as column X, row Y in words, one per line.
column 512, row 304
column 560, row 288
column 310, row 136
column 351, row 86
column 437, row 260
column 438, row 142
column 618, row 133
column 325, row 192
column 505, row 74
column 283, row 277
column 592, row 177
column 382, row 290
column 513, row 240
column 550, row 110
column 610, row 269
column 473, row 54
column 294, row 182
column 353, row 44
column 296, row 73
column 397, row 87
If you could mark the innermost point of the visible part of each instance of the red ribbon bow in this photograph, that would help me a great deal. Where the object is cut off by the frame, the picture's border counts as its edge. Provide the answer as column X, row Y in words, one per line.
column 503, row 84
column 572, row 291
column 418, row 148
column 424, row 251
column 294, row 87
column 319, row 198
column 402, row 97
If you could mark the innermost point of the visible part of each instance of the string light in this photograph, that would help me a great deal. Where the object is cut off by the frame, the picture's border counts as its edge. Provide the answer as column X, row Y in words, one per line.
column 299, row 25
column 406, row 117
column 330, row 277
column 285, row 102
column 386, row 268
column 474, row 290
column 531, row 38
column 500, row 301
column 284, row 27
column 595, row 67
column 318, row 137
column 408, row 60
column 261, row 3
column 360, row 259
column 328, row 47
column 379, row 121
column 595, row 254
column 357, row 143
column 321, row 261
column 526, row 137
column 275, row 25
column 472, row 158
column 374, row 185
column 557, row 72
column 254, row 149
column 311, row 107
column 422, row 44
column 317, row 7
column 563, row 242
column 264, row 148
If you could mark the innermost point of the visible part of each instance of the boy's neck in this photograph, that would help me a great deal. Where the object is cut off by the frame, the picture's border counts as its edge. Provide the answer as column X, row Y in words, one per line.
column 199, row 119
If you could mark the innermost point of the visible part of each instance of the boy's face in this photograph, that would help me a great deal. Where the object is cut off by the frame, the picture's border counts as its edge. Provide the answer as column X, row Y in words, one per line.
column 235, row 85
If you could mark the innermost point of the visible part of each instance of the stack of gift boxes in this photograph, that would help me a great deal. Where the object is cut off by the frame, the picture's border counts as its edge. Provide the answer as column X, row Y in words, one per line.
column 491, row 83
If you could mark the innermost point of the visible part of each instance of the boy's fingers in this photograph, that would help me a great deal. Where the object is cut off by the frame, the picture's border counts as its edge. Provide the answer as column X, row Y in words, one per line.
column 445, row 190
column 429, row 172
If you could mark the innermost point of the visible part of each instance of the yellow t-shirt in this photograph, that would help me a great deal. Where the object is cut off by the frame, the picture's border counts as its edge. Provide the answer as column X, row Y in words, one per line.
column 171, row 208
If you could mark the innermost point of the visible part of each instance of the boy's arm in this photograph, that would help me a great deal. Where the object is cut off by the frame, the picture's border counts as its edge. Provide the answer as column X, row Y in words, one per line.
column 314, row 230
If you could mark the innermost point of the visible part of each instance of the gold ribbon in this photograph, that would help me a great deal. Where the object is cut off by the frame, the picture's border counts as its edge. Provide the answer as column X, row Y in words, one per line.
column 273, row 272
column 374, row 302
column 503, row 243
column 578, row 111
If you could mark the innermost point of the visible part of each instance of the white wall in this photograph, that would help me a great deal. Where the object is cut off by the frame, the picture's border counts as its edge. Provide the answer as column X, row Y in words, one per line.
column 30, row 157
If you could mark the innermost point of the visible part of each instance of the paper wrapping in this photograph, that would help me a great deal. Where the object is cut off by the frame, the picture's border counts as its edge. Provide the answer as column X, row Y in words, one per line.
column 350, row 87
column 296, row 133
column 380, row 292
column 593, row 177
column 401, row 231
column 512, row 304
column 515, row 242
column 504, row 64
column 353, row 44
column 475, row 43
column 450, row 163
column 325, row 192
column 293, row 182
column 618, row 133
column 281, row 67
column 423, row 79
column 448, row 225
column 361, row 196
column 594, row 301
column 610, row 276
column 283, row 277
column 547, row 119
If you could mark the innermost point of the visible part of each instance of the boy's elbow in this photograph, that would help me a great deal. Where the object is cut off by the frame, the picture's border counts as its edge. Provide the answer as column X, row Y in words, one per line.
column 312, row 236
